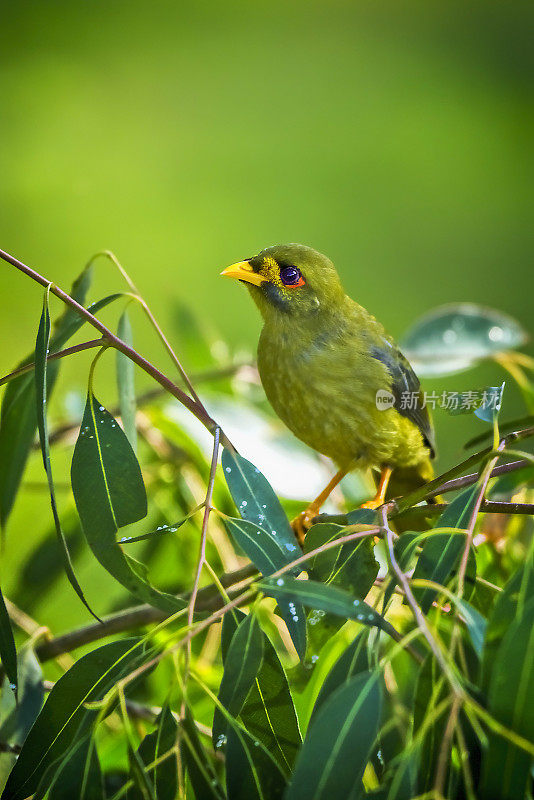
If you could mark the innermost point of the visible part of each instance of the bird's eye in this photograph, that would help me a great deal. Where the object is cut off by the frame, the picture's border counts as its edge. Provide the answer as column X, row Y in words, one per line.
column 291, row 276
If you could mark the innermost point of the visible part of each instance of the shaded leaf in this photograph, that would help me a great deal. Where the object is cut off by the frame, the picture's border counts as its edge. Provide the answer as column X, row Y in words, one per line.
column 268, row 713
column 8, row 652
column 404, row 549
column 326, row 598
column 338, row 742
column 126, row 382
column 41, row 355
column 352, row 566
column 109, row 493
column 202, row 775
column 241, row 665
column 79, row 775
column 455, row 337
column 268, row 554
column 251, row 772
column 431, row 689
column 441, row 553
column 351, row 662
column 491, row 403
column 65, row 718
column 164, row 776
column 506, row 767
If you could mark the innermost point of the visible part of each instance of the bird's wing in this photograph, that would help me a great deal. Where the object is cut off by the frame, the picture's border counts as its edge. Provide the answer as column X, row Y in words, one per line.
column 405, row 382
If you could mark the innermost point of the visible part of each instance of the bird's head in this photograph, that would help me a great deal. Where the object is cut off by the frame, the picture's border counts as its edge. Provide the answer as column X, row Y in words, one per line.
column 289, row 279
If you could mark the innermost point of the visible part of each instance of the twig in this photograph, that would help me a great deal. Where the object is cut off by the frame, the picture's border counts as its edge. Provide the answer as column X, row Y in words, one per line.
column 68, row 351
column 113, row 341
column 468, row 480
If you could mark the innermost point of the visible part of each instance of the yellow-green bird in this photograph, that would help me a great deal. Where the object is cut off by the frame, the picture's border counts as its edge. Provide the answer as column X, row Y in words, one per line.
column 333, row 375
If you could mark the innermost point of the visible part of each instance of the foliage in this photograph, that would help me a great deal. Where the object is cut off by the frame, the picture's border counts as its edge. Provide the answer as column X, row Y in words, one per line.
column 367, row 664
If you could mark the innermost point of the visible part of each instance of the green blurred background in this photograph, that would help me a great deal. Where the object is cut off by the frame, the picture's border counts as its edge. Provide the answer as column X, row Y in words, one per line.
column 395, row 137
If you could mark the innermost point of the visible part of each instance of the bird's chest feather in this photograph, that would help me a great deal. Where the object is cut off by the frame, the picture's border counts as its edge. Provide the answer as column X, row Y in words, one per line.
column 322, row 383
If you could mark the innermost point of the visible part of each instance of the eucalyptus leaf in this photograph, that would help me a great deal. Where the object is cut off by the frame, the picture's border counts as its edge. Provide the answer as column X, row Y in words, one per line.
column 339, row 741
column 506, row 768
column 430, row 690
column 325, row 598
column 441, row 553
column 202, row 774
column 126, row 382
column 455, row 337
column 41, row 355
column 18, row 716
column 268, row 554
column 251, row 772
column 268, row 712
column 241, row 666
column 65, row 717
column 109, row 493
column 164, row 776
column 351, row 566
column 8, row 652
column 351, row 662
column 79, row 775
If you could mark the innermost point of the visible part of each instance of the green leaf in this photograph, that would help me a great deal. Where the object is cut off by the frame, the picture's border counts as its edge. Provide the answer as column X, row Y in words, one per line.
column 430, row 690
column 126, row 382
column 351, row 566
column 8, row 652
column 109, row 493
column 65, row 718
column 41, row 355
column 325, row 598
column 455, row 337
column 506, row 767
column 17, row 717
column 404, row 549
column 79, row 775
column 441, row 553
column 338, row 742
column 18, row 422
column 351, row 662
column 164, row 777
column 509, row 604
column 257, row 502
column 268, row 555
column 491, row 403
column 241, row 666
column 201, row 772
column 251, row 772
column 268, row 713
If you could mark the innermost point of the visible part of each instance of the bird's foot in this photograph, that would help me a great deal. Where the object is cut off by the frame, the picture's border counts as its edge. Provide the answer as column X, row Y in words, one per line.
column 303, row 522
column 376, row 502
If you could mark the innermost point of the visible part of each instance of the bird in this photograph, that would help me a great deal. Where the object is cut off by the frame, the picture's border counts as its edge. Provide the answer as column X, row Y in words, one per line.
column 334, row 376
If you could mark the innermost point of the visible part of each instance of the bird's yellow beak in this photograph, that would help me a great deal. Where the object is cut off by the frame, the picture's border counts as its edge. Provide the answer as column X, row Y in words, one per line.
column 242, row 271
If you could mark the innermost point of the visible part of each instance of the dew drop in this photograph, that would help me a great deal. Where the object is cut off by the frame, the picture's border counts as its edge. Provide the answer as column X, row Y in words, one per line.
column 280, row 582
column 228, row 469
column 243, row 503
column 101, row 408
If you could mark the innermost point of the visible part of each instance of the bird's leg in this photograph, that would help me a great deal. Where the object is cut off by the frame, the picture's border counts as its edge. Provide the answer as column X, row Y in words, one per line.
column 380, row 495
column 303, row 522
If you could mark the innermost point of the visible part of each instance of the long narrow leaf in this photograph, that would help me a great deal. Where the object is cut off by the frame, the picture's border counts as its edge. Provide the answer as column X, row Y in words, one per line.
column 8, row 652
column 241, row 666
column 338, row 742
column 126, row 382
column 109, row 493
column 41, row 355
column 251, row 772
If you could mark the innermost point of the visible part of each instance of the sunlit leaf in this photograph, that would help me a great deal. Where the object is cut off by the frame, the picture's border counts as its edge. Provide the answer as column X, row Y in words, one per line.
column 491, row 403
column 268, row 713
column 455, row 337
column 338, row 742
column 126, row 382
column 241, row 666
column 326, row 598
column 251, row 772
column 8, row 652
column 351, row 662
column 506, row 767
column 441, row 553
column 201, row 772
column 65, row 718
column 268, row 554
column 41, row 369
column 109, row 493
column 78, row 775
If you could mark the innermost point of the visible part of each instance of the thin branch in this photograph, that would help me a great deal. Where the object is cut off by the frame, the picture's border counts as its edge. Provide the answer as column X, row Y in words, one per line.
column 469, row 480
column 68, row 351
column 113, row 341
